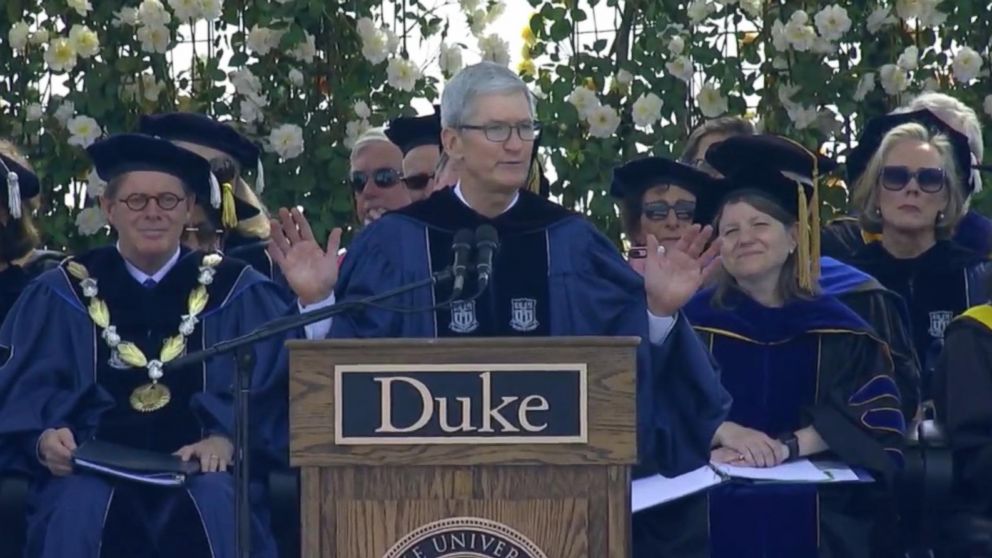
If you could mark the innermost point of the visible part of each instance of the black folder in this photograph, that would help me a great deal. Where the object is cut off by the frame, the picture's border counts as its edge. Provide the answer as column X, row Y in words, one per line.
column 136, row 465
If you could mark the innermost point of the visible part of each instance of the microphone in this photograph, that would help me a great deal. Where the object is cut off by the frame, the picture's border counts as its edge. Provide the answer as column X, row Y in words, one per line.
column 486, row 245
column 462, row 248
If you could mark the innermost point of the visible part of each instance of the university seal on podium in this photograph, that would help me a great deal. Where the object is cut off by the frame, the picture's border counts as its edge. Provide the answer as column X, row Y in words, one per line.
column 464, row 537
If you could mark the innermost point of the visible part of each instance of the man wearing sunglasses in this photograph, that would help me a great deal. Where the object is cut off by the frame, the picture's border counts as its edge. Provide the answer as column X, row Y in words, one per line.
column 419, row 137
column 554, row 273
column 376, row 177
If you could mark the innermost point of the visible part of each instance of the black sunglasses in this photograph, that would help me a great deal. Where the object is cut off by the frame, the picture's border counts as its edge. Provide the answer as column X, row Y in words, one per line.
column 383, row 178
column 931, row 180
column 417, row 181
column 658, row 211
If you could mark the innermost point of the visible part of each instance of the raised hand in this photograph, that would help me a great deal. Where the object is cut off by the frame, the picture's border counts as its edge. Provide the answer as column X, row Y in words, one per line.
column 672, row 276
column 311, row 271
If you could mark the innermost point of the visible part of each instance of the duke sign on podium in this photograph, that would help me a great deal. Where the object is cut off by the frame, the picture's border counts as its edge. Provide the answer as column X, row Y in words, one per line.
column 494, row 448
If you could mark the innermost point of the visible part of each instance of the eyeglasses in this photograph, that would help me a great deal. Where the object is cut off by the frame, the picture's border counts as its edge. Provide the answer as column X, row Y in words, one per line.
column 658, row 211
column 418, row 181
column 138, row 202
column 204, row 233
column 499, row 131
column 931, row 180
column 383, row 178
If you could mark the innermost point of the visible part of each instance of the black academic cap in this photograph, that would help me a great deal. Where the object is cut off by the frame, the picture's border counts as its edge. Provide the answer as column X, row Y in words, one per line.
column 756, row 153
column 635, row 177
column 877, row 128
column 25, row 184
column 409, row 132
column 202, row 130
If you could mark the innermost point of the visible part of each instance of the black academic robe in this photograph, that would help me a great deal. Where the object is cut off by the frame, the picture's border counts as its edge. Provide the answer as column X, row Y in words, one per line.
column 554, row 275
column 936, row 285
column 810, row 363
column 56, row 371
column 15, row 279
column 843, row 236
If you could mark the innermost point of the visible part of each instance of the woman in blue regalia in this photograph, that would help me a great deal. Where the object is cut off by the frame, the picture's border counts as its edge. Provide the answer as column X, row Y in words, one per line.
column 808, row 376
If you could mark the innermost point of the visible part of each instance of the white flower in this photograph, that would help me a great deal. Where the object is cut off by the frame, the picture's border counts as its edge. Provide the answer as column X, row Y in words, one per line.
column 450, row 59
column 110, row 334
column 752, row 8
column 249, row 111
column 60, row 56
column 832, row 22
column 647, row 110
column 931, row 84
column 496, row 10
column 90, row 221
column 188, row 325
column 477, row 22
column 584, row 101
column 823, row 46
column 799, row 17
column 374, row 47
column 34, row 112
column 779, row 40
column 18, row 36
column 211, row 9
column 306, row 50
column 894, row 79
column 39, row 37
column 261, row 40
column 987, row 105
column 967, row 63
column 676, row 45
column 785, row 93
column 799, row 35
column 95, row 186
column 909, row 9
column 865, row 86
column 89, row 286
column 148, row 88
column 84, row 41
column 930, row 16
column 152, row 12
column 625, row 78
column 245, row 82
column 909, row 59
column 287, row 141
column 392, row 40
column 603, row 121
column 802, row 116
column 362, row 110
column 82, row 7
column 878, row 19
column 495, row 49
column 354, row 130
column 155, row 370
column 83, row 130
column 365, row 26
column 65, row 111
column 402, row 74
column 711, row 102
column 699, row 10
column 206, row 275
column 154, row 38
column 296, row 77
column 469, row 5
column 126, row 16
column 681, row 68
column 186, row 10
column 780, row 63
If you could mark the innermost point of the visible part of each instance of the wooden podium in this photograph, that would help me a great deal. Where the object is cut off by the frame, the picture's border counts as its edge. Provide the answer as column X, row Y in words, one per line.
column 525, row 451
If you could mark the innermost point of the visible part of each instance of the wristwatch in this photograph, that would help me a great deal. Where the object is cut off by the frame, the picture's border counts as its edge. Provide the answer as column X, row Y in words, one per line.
column 791, row 443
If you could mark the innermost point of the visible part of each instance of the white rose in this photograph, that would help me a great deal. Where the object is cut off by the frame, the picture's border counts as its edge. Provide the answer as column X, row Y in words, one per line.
column 151, row 88
column 930, row 16
column 65, row 111
column 878, row 19
column 18, row 36
column 353, row 130
column 987, row 105
column 392, row 40
column 469, row 5
column 34, row 112
column 832, row 22
column 865, row 86
column 779, row 38
column 296, row 77
column 495, row 49
column 681, row 68
column 261, row 40
column 676, row 45
column 82, row 7
column 603, row 121
column 402, row 74
column 799, row 17
column 909, row 9
column 154, row 38
column 84, row 41
column 711, row 102
column 83, row 130
column 477, row 22
column 245, row 82
column 801, row 37
column 752, row 8
column 287, row 141
column 450, row 59
column 153, row 13
column 967, row 63
column 95, row 186
column 90, row 221
column 39, row 37
column 909, row 59
column 362, row 110
column 186, row 10
column 249, row 112
column 894, row 79
column 625, row 78
column 785, row 93
column 496, row 10
column 211, row 9
column 126, row 16
column 802, row 116
column 583, row 100
column 365, row 26
column 647, row 110
column 374, row 47
column 306, row 50
column 60, row 56
column 699, row 10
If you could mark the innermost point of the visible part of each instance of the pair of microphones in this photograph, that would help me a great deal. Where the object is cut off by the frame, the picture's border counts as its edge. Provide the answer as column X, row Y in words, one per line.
column 484, row 241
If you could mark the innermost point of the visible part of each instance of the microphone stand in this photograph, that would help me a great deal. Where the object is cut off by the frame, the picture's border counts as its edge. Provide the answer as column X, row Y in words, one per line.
column 243, row 349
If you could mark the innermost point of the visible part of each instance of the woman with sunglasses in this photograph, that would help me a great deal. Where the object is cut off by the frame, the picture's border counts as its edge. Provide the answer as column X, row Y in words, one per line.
column 910, row 193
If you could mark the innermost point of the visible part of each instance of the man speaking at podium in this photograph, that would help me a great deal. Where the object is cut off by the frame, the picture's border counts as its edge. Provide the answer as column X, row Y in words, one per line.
column 553, row 272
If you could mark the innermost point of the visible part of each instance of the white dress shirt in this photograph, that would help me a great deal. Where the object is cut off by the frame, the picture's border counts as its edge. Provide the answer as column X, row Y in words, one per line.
column 141, row 276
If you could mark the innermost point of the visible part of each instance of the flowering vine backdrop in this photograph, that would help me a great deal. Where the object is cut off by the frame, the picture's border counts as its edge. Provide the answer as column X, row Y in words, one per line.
column 613, row 78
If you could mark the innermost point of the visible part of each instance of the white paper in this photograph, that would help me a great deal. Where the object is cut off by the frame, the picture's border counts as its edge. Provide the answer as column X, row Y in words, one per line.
column 801, row 470
column 839, row 472
column 651, row 491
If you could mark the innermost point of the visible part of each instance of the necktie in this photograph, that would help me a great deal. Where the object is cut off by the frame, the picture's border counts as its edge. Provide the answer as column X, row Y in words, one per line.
column 149, row 283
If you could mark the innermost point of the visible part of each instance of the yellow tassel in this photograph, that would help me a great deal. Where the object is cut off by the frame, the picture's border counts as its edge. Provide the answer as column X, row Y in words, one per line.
column 814, row 224
column 172, row 348
column 534, row 178
column 212, row 260
column 78, row 270
column 802, row 258
column 197, row 300
column 228, row 215
column 130, row 354
column 99, row 313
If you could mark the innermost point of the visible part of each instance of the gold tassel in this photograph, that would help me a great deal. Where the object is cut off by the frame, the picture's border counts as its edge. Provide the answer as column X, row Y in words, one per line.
column 228, row 215
column 802, row 258
column 534, row 177
column 814, row 224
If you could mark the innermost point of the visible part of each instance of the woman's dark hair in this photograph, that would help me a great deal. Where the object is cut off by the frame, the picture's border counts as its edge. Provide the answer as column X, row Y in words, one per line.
column 788, row 280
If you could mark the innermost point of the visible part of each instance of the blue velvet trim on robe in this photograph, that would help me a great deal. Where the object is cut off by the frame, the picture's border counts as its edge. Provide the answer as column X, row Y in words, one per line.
column 884, row 419
column 874, row 389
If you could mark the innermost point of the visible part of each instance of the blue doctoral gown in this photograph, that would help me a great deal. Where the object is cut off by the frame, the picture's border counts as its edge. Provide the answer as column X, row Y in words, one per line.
column 54, row 372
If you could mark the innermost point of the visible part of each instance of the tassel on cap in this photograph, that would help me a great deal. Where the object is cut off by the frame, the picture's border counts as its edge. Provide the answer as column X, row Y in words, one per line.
column 13, row 191
column 214, row 191
column 259, row 177
column 228, row 214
